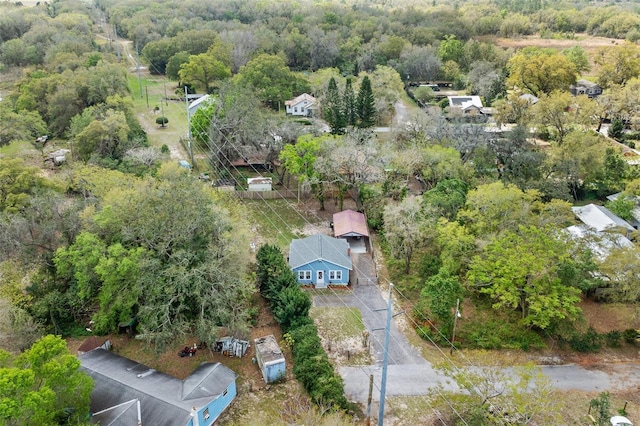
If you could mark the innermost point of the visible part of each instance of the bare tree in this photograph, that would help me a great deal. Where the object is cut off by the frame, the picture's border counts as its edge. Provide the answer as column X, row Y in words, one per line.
column 351, row 162
column 244, row 43
column 147, row 156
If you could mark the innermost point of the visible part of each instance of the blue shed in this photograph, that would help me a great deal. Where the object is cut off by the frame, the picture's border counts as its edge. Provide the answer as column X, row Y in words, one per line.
column 320, row 260
column 270, row 359
column 129, row 393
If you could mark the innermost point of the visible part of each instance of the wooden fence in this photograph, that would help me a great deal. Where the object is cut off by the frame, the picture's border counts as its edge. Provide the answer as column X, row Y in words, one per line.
column 269, row 195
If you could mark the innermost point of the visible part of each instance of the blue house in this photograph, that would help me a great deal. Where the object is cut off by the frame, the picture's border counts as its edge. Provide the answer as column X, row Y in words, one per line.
column 129, row 393
column 320, row 260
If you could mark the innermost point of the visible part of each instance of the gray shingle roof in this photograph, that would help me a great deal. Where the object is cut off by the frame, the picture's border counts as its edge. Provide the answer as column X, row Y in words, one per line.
column 319, row 247
column 164, row 400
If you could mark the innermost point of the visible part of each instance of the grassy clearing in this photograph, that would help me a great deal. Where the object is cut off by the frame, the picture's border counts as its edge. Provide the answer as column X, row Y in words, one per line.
column 410, row 410
column 278, row 221
column 152, row 104
column 341, row 332
column 338, row 324
column 16, row 149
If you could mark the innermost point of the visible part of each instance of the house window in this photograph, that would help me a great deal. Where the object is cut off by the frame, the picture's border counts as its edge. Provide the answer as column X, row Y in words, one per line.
column 225, row 392
column 335, row 275
column 295, row 109
column 205, row 414
column 304, row 275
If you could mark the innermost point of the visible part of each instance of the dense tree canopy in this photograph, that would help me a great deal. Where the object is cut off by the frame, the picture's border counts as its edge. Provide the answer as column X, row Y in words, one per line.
column 43, row 385
column 138, row 265
column 538, row 71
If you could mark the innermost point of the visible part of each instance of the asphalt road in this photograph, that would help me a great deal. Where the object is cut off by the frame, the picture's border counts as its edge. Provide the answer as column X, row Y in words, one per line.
column 410, row 374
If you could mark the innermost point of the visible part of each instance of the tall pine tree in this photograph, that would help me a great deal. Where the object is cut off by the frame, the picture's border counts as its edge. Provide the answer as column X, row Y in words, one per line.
column 365, row 105
column 333, row 109
column 349, row 101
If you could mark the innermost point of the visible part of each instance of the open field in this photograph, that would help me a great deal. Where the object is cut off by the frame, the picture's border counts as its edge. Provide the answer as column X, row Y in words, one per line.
column 150, row 103
column 587, row 42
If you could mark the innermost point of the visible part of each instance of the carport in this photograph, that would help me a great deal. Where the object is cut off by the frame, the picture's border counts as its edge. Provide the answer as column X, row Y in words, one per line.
column 352, row 226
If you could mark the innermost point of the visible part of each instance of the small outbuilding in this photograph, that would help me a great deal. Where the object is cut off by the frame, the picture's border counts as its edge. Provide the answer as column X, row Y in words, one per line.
column 259, row 184
column 352, row 226
column 270, row 359
column 94, row 342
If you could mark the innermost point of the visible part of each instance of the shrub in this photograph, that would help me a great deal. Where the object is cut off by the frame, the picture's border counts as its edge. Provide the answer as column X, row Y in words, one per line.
column 630, row 335
column 162, row 121
column 613, row 339
column 164, row 149
column 290, row 306
column 499, row 334
column 589, row 341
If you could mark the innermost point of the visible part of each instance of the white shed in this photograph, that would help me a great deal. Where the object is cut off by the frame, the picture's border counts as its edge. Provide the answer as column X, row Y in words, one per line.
column 259, row 184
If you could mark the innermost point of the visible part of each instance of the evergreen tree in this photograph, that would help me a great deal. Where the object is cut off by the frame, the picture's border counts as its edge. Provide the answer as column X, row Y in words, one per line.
column 333, row 109
column 349, row 101
column 365, row 105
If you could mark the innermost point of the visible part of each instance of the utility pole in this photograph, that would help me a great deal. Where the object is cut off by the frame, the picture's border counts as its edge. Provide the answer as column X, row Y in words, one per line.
column 138, row 66
column 456, row 315
column 385, row 362
column 369, row 400
column 189, row 142
column 115, row 36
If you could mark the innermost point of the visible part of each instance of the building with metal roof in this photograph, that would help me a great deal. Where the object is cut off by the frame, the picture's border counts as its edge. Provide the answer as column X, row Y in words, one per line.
column 602, row 219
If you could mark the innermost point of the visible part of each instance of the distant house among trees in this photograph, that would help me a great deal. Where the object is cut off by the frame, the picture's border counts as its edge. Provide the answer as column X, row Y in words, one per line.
column 302, row 105
column 585, row 87
column 128, row 393
column 468, row 105
column 320, row 260
column 602, row 219
column 259, row 184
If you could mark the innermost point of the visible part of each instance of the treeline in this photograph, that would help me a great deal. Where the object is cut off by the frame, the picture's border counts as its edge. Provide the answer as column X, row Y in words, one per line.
column 316, row 36
column 290, row 306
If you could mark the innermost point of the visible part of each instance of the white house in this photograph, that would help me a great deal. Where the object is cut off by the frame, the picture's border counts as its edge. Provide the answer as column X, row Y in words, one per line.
column 259, row 184
column 195, row 105
column 465, row 103
column 302, row 105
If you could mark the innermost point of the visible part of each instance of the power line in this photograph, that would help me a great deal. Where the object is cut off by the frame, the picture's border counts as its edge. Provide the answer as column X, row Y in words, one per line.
column 229, row 173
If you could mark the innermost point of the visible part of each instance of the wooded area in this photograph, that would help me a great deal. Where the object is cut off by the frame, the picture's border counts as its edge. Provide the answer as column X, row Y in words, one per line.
column 472, row 206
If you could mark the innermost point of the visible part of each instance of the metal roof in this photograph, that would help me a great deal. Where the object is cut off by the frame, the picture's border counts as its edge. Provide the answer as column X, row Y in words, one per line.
column 350, row 222
column 600, row 243
column 268, row 349
column 164, row 400
column 600, row 218
column 319, row 247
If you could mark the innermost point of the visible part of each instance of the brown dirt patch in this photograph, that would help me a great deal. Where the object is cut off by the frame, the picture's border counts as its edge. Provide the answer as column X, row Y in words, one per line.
column 604, row 317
